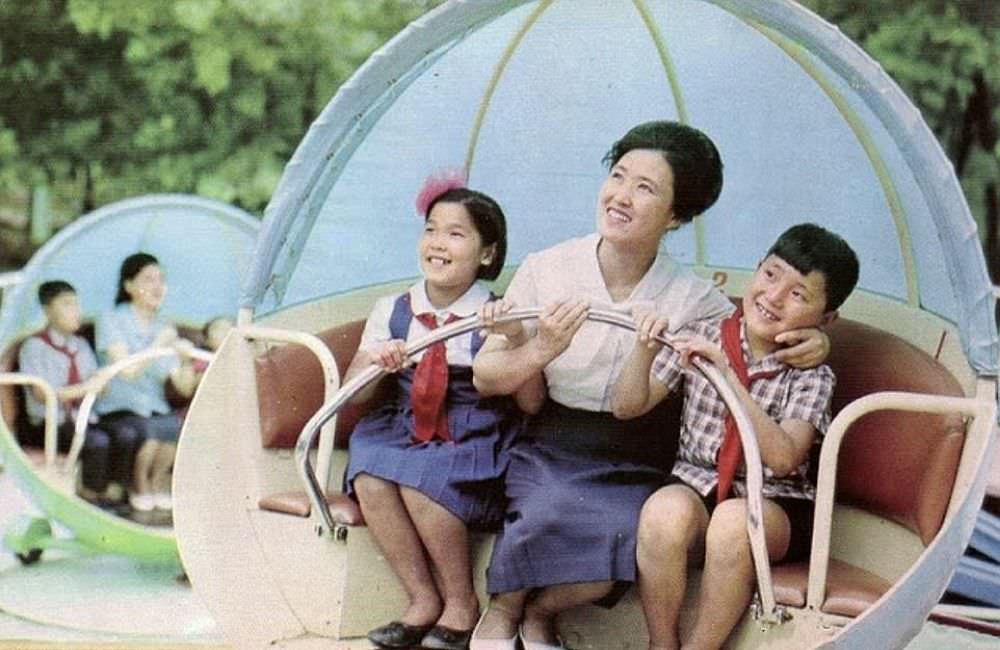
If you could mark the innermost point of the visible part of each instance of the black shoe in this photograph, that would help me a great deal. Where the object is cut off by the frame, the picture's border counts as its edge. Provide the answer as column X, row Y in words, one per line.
column 398, row 635
column 445, row 638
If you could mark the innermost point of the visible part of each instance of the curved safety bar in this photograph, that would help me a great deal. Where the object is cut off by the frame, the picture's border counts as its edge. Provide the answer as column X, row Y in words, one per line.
column 979, row 410
column 105, row 375
column 748, row 437
column 51, row 409
column 331, row 378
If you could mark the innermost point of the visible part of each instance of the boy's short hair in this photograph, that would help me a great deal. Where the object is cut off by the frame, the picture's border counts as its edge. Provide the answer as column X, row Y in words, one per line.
column 49, row 291
column 808, row 247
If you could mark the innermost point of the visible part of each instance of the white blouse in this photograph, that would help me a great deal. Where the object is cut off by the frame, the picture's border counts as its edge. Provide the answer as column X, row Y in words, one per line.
column 583, row 376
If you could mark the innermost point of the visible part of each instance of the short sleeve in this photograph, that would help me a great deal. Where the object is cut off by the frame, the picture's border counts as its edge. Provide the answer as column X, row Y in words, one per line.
column 809, row 397
column 107, row 332
column 702, row 301
column 33, row 360
column 523, row 289
column 667, row 368
column 377, row 326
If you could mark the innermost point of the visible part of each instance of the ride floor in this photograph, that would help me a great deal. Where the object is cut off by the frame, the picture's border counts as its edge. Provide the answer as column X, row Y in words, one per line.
column 69, row 601
column 107, row 602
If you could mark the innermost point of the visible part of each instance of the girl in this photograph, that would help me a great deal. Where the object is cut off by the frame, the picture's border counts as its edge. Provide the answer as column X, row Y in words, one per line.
column 134, row 404
column 428, row 464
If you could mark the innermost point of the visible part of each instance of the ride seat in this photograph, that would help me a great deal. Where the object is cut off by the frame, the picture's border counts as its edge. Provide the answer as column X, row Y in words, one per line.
column 12, row 400
column 12, row 405
column 898, row 465
column 289, row 392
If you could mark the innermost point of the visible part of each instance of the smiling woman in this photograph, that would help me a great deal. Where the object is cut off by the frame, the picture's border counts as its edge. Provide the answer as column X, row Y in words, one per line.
column 662, row 175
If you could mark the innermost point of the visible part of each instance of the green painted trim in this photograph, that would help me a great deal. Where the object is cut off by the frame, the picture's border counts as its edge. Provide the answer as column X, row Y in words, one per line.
column 94, row 529
column 797, row 54
column 675, row 89
column 668, row 65
column 498, row 71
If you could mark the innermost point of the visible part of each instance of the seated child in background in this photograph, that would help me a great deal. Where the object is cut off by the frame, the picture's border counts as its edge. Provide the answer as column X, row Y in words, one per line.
column 215, row 332
column 67, row 362
column 803, row 280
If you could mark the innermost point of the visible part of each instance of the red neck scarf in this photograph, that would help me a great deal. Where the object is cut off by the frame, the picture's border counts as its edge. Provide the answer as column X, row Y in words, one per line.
column 731, row 451
column 430, row 387
column 73, row 376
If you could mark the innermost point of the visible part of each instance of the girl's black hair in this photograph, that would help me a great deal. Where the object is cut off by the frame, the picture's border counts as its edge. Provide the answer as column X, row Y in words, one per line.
column 487, row 218
column 131, row 267
column 693, row 159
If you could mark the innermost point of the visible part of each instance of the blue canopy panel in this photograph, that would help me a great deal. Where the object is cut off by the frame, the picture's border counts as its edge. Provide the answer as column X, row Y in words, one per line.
column 530, row 95
column 203, row 246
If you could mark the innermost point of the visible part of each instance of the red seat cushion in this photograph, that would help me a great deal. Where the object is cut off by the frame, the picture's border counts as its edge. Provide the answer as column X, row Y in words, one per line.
column 343, row 508
column 290, row 387
column 849, row 589
column 899, row 465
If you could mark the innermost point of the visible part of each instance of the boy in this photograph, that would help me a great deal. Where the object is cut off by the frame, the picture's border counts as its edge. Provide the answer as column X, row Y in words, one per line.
column 805, row 277
column 67, row 362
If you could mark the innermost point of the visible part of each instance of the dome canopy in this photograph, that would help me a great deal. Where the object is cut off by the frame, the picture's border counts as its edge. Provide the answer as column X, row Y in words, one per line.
column 204, row 247
column 528, row 96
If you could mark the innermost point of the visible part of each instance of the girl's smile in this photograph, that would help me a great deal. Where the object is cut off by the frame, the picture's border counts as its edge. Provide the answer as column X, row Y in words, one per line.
column 451, row 253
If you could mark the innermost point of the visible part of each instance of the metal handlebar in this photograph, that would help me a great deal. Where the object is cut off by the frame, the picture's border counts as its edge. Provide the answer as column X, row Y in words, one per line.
column 104, row 377
column 51, row 409
column 748, row 437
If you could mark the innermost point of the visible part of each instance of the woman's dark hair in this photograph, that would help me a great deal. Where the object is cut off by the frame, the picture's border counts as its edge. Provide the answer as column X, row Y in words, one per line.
column 808, row 247
column 131, row 267
column 693, row 159
column 489, row 221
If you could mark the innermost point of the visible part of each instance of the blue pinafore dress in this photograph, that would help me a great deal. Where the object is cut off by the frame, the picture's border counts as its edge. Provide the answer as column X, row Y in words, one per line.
column 464, row 475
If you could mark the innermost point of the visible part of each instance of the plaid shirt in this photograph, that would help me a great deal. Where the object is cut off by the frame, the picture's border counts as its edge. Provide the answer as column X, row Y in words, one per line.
column 791, row 394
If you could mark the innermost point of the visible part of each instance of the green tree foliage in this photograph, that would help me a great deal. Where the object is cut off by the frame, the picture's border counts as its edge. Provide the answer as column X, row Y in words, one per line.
column 946, row 55
column 125, row 97
column 113, row 98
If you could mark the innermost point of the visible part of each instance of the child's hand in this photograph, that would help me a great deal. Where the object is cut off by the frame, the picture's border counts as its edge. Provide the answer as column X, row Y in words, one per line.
column 389, row 355
column 489, row 313
column 804, row 348
column 183, row 347
column 648, row 325
column 702, row 347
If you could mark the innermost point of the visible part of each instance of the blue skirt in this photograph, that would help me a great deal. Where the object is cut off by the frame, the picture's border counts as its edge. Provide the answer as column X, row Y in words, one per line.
column 464, row 475
column 575, row 485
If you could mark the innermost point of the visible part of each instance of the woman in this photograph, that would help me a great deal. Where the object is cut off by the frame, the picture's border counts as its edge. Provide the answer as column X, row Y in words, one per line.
column 578, row 478
column 135, row 402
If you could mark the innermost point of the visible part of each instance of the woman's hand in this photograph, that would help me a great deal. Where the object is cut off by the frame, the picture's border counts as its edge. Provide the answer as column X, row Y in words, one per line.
column 558, row 324
column 805, row 348
column 489, row 313
column 648, row 325
column 389, row 355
